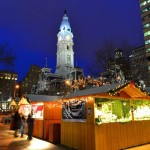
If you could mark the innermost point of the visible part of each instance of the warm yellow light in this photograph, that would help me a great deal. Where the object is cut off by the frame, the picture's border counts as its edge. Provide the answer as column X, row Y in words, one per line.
column 67, row 82
column 17, row 86
column 39, row 144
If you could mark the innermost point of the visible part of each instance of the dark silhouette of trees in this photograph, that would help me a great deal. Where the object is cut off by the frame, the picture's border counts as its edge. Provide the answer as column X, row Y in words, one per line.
column 7, row 58
column 106, row 54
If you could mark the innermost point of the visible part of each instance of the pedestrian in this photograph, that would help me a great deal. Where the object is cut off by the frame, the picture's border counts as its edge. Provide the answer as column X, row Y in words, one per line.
column 30, row 122
column 17, row 121
column 22, row 126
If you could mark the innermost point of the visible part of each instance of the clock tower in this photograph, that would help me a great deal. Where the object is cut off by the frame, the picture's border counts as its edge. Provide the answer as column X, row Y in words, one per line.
column 65, row 53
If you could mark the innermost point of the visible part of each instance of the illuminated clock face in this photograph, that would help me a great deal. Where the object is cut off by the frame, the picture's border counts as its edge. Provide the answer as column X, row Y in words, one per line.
column 68, row 37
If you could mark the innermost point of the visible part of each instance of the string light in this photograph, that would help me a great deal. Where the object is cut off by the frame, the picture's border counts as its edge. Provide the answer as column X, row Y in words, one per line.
column 70, row 86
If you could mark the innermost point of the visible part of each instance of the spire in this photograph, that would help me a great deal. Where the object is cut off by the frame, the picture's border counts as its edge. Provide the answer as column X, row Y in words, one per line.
column 46, row 62
column 65, row 25
column 65, row 11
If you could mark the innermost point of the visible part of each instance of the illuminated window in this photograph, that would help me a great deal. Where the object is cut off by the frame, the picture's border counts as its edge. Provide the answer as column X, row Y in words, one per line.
column 147, row 42
column 9, row 76
column 144, row 10
column 148, row 50
column 147, row 33
column 146, row 25
column 142, row 4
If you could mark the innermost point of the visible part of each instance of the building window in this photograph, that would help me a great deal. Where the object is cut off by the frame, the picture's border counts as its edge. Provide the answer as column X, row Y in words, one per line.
column 144, row 3
column 147, row 33
column 148, row 50
column 146, row 25
column 67, row 46
column 9, row 76
column 145, row 10
column 147, row 42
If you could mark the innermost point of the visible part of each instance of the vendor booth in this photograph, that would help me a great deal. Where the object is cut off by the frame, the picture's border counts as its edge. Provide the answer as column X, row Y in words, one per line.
column 110, row 117
column 46, row 111
column 24, row 106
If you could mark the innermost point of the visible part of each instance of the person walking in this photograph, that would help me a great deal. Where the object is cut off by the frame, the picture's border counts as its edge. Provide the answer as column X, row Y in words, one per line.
column 30, row 122
column 17, row 121
column 22, row 127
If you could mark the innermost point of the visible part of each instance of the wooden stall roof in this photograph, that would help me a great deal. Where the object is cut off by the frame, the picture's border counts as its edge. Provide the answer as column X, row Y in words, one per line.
column 23, row 101
column 42, row 98
column 129, row 90
column 119, row 90
column 13, row 103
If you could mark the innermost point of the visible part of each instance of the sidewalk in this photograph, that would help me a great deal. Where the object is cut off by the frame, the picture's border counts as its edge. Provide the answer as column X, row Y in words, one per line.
column 9, row 142
column 142, row 147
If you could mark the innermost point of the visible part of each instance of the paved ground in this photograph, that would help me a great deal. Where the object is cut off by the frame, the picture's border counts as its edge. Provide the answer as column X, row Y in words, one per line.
column 9, row 142
column 142, row 147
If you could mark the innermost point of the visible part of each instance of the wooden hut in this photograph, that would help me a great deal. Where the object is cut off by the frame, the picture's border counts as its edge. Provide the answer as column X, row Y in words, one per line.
column 46, row 111
column 125, row 120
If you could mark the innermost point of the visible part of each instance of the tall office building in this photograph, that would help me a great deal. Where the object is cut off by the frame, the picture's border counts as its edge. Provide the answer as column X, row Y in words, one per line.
column 8, row 81
column 145, row 15
column 139, row 65
column 30, row 79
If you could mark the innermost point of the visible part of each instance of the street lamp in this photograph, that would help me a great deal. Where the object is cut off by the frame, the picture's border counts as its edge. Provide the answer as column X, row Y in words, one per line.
column 16, row 87
column 13, row 103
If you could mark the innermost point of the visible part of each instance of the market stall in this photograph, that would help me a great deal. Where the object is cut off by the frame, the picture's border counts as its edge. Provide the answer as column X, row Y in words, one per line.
column 112, row 117
column 24, row 106
column 46, row 111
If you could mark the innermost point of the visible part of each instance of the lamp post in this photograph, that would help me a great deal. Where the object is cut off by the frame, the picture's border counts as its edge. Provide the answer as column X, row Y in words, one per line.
column 13, row 103
column 16, row 87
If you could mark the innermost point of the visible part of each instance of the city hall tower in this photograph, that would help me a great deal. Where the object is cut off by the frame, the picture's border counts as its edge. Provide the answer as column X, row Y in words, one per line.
column 65, row 53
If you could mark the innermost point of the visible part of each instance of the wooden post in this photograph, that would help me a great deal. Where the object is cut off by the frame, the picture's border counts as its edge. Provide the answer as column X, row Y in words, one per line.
column 132, row 110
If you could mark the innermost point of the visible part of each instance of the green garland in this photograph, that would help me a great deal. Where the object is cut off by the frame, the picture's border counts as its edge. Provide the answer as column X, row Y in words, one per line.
column 112, row 92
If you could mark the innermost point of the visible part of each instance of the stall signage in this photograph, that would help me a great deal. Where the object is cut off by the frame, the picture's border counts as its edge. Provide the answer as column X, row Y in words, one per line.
column 74, row 111
column 25, row 110
column 37, row 111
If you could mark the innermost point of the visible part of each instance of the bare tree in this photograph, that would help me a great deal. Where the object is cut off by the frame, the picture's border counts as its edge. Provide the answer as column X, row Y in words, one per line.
column 6, row 57
column 106, row 54
column 126, row 49
column 2, row 52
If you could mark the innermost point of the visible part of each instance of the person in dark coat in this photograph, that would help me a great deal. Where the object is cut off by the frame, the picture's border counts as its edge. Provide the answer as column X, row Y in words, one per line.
column 30, row 122
column 17, row 121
